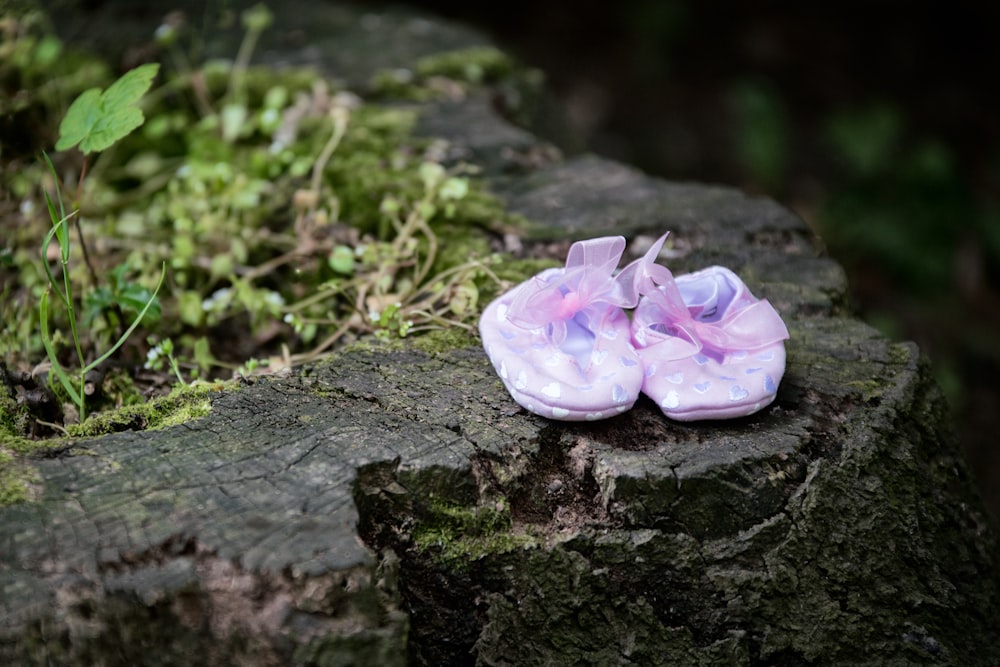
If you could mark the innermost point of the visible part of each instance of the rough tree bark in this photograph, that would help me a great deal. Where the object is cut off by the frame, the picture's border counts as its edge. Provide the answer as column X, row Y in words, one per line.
column 394, row 506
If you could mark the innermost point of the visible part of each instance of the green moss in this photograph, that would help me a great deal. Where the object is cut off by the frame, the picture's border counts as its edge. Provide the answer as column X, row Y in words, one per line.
column 16, row 478
column 459, row 534
column 401, row 85
column 473, row 66
column 869, row 389
column 372, row 162
column 117, row 390
column 900, row 354
column 478, row 64
column 181, row 405
column 458, row 551
column 16, row 475
column 435, row 342
column 14, row 418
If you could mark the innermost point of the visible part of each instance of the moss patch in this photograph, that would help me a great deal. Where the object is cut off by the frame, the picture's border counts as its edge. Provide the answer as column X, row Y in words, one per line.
column 459, row 535
column 16, row 478
column 435, row 342
column 478, row 64
column 464, row 67
column 14, row 418
column 181, row 405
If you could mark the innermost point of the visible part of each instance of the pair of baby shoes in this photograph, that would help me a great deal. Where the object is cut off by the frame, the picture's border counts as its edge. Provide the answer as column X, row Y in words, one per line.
column 700, row 344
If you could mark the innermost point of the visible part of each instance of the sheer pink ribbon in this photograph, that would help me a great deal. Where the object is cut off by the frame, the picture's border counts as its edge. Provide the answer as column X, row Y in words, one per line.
column 743, row 328
column 587, row 285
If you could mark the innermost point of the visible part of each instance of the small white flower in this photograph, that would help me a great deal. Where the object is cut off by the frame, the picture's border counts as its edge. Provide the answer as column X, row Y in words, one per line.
column 219, row 298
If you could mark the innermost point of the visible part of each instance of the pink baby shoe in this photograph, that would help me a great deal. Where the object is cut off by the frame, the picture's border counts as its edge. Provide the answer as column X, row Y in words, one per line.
column 561, row 341
column 709, row 348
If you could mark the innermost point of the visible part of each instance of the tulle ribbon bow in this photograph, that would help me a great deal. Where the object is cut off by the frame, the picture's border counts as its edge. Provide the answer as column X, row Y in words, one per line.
column 587, row 287
column 681, row 334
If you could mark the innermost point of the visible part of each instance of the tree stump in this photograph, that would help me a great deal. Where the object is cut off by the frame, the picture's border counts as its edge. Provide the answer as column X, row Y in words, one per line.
column 394, row 506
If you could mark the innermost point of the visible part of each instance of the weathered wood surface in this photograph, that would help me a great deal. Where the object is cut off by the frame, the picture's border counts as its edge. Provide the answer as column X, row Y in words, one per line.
column 394, row 506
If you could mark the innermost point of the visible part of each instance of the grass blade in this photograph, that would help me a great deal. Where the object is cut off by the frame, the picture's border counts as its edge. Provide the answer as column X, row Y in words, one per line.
column 45, row 256
column 67, row 382
column 55, row 180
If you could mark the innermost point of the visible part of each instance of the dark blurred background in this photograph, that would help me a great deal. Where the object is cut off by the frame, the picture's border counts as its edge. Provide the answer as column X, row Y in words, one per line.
column 877, row 122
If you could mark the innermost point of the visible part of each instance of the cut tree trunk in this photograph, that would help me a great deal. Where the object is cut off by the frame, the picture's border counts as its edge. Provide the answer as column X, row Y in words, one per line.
column 394, row 506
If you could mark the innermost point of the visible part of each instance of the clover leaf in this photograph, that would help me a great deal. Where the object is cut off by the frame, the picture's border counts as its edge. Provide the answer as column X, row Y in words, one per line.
column 96, row 119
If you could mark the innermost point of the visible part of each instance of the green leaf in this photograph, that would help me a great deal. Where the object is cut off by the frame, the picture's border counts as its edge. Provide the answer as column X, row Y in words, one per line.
column 203, row 354
column 134, row 297
column 95, row 303
column 257, row 18
column 128, row 332
column 342, row 260
column 110, row 128
column 431, row 173
column 233, row 119
column 79, row 119
column 47, row 51
column 121, row 292
column 189, row 308
column 116, row 276
column 97, row 120
column 130, row 87
column 464, row 300
column 454, row 189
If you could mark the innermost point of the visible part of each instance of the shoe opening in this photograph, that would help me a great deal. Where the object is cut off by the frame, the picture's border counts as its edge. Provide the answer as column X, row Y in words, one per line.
column 579, row 341
column 707, row 294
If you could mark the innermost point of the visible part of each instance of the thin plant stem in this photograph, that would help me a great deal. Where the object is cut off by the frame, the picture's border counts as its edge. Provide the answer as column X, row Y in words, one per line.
column 79, row 226
column 432, row 245
column 340, row 117
column 54, row 427
column 94, row 280
column 60, row 229
column 242, row 62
